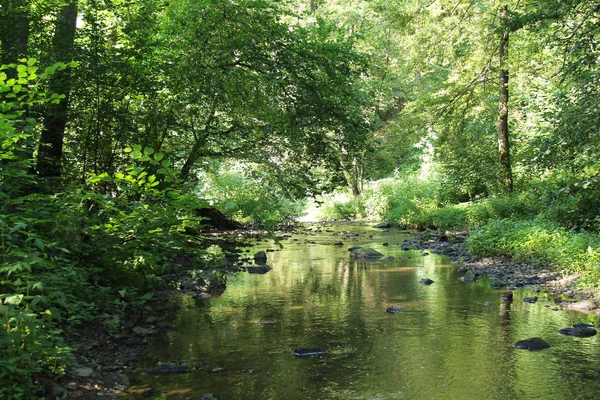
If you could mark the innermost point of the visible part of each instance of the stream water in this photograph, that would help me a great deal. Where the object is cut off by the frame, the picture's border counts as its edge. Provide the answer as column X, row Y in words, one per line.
column 447, row 344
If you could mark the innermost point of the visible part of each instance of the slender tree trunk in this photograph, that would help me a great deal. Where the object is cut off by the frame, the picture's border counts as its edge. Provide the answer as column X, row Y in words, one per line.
column 51, row 141
column 353, row 173
column 503, row 142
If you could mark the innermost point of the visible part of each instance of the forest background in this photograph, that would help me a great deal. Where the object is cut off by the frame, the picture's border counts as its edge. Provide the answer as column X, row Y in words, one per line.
column 119, row 119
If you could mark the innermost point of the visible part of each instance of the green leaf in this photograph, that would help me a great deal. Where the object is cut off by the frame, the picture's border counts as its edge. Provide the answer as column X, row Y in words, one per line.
column 56, row 313
column 137, row 147
column 148, row 151
column 21, row 68
column 40, row 245
column 159, row 156
column 14, row 299
column 122, row 292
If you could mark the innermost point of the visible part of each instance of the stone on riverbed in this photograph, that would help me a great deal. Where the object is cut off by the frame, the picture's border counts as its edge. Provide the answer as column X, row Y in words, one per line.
column 366, row 253
column 263, row 269
column 578, row 332
column 169, row 369
column 583, row 325
column 426, row 281
column 308, row 352
column 354, row 248
column 383, row 225
column 260, row 258
column 531, row 300
column 532, row 344
column 395, row 309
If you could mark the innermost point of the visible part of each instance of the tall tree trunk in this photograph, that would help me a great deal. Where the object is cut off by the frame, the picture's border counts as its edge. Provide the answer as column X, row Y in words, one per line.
column 51, row 141
column 502, row 127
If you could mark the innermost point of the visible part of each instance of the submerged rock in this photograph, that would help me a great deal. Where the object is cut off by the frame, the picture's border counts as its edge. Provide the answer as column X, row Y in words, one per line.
column 532, row 344
column 309, row 351
column 263, row 269
column 168, row 369
column 578, row 332
column 426, row 281
column 366, row 253
column 395, row 309
column 532, row 300
column 354, row 248
column 383, row 225
column 582, row 325
column 469, row 278
column 507, row 297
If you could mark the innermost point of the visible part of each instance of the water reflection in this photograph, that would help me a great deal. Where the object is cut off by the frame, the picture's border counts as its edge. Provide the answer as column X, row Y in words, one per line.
column 448, row 344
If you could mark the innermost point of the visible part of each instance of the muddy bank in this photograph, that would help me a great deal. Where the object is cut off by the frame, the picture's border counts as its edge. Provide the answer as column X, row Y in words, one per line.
column 505, row 272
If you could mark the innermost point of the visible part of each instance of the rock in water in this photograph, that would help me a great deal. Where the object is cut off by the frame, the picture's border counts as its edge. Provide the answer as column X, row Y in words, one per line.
column 578, row 332
column 395, row 309
column 532, row 344
column 583, row 325
column 426, row 281
column 308, row 352
column 263, row 269
column 366, row 253
column 169, row 369
column 354, row 248
column 508, row 297
column 260, row 258
column 530, row 299
column 383, row 225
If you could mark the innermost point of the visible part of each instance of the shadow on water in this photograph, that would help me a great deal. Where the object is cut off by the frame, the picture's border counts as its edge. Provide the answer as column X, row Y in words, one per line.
column 449, row 342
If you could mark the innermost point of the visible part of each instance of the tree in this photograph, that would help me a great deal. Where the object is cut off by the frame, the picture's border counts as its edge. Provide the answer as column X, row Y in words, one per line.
column 52, row 137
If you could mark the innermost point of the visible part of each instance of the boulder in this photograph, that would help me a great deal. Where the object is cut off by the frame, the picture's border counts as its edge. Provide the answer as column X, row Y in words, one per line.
column 308, row 352
column 260, row 258
column 532, row 344
column 578, row 332
column 426, row 281
column 354, row 248
column 366, row 253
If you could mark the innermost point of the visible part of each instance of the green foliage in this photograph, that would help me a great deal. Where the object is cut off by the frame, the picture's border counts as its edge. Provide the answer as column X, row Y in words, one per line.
column 79, row 252
column 250, row 193
column 541, row 243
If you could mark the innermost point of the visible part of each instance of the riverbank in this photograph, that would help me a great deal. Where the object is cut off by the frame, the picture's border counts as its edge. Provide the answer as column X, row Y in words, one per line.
column 508, row 273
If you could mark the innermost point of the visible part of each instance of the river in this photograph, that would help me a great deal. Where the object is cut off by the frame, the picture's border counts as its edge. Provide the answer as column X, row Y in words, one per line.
column 449, row 343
